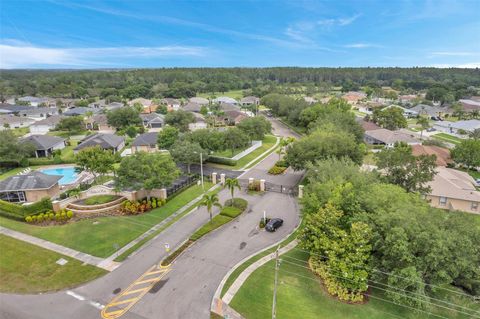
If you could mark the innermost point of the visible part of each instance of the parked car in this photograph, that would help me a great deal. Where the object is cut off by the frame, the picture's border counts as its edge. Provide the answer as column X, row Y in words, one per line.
column 477, row 181
column 273, row 224
column 431, row 129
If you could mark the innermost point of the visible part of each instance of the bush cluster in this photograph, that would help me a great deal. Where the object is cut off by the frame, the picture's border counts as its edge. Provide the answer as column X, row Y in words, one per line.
column 19, row 212
column 141, row 206
column 239, row 203
column 254, row 187
column 276, row 170
column 222, row 160
column 60, row 216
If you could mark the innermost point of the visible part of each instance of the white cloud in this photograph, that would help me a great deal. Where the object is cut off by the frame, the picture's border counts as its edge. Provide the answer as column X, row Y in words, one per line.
column 470, row 65
column 338, row 21
column 362, row 45
column 452, row 53
column 21, row 55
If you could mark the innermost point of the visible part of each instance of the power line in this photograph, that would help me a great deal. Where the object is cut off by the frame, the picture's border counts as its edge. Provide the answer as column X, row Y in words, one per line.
column 413, row 298
column 390, row 274
column 377, row 282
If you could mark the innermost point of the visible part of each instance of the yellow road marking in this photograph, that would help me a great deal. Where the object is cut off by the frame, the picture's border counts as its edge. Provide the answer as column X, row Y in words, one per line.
column 117, row 301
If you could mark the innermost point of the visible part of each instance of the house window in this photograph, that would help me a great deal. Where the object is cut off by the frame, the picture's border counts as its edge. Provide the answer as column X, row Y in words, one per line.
column 474, row 206
column 443, row 201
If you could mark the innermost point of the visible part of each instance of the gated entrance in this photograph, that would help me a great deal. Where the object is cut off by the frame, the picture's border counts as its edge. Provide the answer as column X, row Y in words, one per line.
column 285, row 189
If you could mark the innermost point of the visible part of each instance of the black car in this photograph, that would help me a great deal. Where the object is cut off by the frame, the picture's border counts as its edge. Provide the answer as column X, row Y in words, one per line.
column 273, row 224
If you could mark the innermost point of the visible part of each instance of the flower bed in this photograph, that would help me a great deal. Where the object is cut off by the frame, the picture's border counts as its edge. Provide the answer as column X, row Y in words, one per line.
column 139, row 207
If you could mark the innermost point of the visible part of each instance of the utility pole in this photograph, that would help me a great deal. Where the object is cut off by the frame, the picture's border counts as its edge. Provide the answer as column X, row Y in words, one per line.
column 277, row 265
column 201, row 171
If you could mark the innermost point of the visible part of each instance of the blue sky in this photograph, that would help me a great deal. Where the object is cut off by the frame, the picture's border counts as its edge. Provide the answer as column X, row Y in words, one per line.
column 126, row 34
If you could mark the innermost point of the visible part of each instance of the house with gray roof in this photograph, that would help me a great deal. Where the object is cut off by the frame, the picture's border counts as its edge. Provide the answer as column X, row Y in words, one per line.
column 467, row 126
column 114, row 105
column 80, row 111
column 192, row 107
column 30, row 187
column 10, row 121
column 388, row 138
column 38, row 113
column 427, row 110
column 110, row 142
column 146, row 142
column 153, row 120
column 250, row 100
column 45, row 125
column 12, row 108
column 45, row 145
column 228, row 107
column 225, row 99
column 36, row 101
column 199, row 100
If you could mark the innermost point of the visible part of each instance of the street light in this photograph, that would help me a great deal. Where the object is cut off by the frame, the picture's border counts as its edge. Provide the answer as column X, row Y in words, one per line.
column 201, row 170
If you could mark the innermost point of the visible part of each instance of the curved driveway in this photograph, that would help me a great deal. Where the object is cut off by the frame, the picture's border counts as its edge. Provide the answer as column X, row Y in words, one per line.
column 187, row 290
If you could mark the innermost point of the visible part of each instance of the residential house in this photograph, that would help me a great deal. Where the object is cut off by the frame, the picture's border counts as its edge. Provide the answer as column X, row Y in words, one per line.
column 427, row 110
column 309, row 99
column 199, row 100
column 250, row 100
column 442, row 154
column 354, row 97
column 407, row 99
column 45, row 125
column 368, row 107
column 99, row 123
column 457, row 127
column 80, row 111
column 192, row 107
column 113, row 106
column 10, row 121
column 366, row 125
column 388, row 138
column 45, row 145
column 471, row 104
column 228, row 107
column 225, row 99
column 106, row 141
column 30, row 187
column 146, row 142
column 454, row 190
column 38, row 113
column 148, row 105
column 100, row 104
column 171, row 104
column 153, row 120
column 233, row 117
column 199, row 122
column 12, row 108
column 37, row 101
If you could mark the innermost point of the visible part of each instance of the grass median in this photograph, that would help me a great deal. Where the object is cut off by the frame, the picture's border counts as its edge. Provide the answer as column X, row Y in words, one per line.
column 102, row 236
column 26, row 268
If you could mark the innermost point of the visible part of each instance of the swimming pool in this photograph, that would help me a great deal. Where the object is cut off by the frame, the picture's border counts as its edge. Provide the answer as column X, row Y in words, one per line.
column 68, row 174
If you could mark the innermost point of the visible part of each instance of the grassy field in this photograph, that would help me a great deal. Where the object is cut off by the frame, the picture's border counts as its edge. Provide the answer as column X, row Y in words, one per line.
column 25, row 268
column 234, row 94
column 67, row 152
column 100, row 236
column 300, row 295
column 447, row 138
column 99, row 199
column 21, row 131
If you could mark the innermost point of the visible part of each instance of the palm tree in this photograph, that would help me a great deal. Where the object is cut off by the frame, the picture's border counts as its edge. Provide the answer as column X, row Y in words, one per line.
column 424, row 124
column 231, row 184
column 209, row 201
column 284, row 142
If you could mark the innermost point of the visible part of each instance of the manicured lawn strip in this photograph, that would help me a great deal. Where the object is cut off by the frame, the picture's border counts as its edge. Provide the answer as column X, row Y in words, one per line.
column 300, row 295
column 137, row 246
column 67, row 152
column 25, row 268
column 216, row 222
column 99, row 199
column 448, row 138
column 234, row 275
column 100, row 236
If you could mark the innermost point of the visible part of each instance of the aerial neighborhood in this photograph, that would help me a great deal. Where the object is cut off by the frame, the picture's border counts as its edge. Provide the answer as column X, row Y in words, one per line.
column 239, row 159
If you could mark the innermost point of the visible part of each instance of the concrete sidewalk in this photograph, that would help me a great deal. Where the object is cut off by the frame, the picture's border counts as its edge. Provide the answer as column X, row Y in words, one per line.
column 86, row 258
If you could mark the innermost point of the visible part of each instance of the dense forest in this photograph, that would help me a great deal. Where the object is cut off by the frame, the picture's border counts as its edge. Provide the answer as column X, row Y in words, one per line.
column 187, row 82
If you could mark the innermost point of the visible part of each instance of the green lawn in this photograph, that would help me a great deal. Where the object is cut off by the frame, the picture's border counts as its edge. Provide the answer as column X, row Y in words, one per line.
column 100, row 236
column 228, row 153
column 67, row 152
column 21, row 131
column 99, row 199
column 25, row 268
column 300, row 295
column 447, row 138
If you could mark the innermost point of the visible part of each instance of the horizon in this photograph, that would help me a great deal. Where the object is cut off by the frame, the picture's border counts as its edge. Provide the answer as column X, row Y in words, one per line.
column 110, row 35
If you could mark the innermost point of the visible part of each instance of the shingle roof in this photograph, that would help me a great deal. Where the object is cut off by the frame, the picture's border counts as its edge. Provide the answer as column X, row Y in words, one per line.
column 250, row 99
column 225, row 99
column 451, row 183
column 228, row 107
column 80, row 111
column 13, row 119
column 442, row 154
column 149, row 139
column 152, row 117
column 30, row 181
column 192, row 107
column 14, row 108
column 199, row 100
column 105, row 141
column 43, row 142
column 51, row 120
column 390, row 137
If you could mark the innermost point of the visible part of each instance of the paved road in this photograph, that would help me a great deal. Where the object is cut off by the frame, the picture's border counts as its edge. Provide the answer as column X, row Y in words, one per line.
column 186, row 291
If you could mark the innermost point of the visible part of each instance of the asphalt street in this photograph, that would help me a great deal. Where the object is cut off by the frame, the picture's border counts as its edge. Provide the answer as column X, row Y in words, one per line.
column 187, row 290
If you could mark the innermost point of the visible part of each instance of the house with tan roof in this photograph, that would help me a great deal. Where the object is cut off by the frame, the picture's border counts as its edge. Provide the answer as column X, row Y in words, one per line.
column 454, row 190
column 388, row 138
column 442, row 154
column 354, row 97
column 199, row 100
column 148, row 105
column 171, row 104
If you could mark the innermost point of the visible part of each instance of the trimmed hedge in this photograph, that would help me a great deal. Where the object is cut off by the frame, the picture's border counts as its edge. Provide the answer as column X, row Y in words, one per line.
column 216, row 222
column 239, row 203
column 277, row 170
column 19, row 212
column 230, row 211
column 48, row 161
column 222, row 160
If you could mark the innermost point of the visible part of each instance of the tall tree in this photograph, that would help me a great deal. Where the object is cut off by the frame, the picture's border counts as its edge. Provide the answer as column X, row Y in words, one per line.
column 401, row 167
column 167, row 137
column 71, row 124
column 188, row 153
column 231, row 184
column 255, row 127
column 209, row 201
column 235, row 139
column 146, row 171
column 467, row 153
column 13, row 150
column 179, row 119
column 123, row 117
column 95, row 160
column 424, row 124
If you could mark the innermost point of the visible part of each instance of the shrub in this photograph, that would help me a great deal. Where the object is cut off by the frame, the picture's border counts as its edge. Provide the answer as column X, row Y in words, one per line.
column 34, row 219
column 281, row 163
column 222, row 160
column 28, row 219
column 58, row 217
column 239, row 203
column 63, row 215
column 69, row 214
column 230, row 211
column 154, row 203
column 51, row 215
column 255, row 186
column 276, row 170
